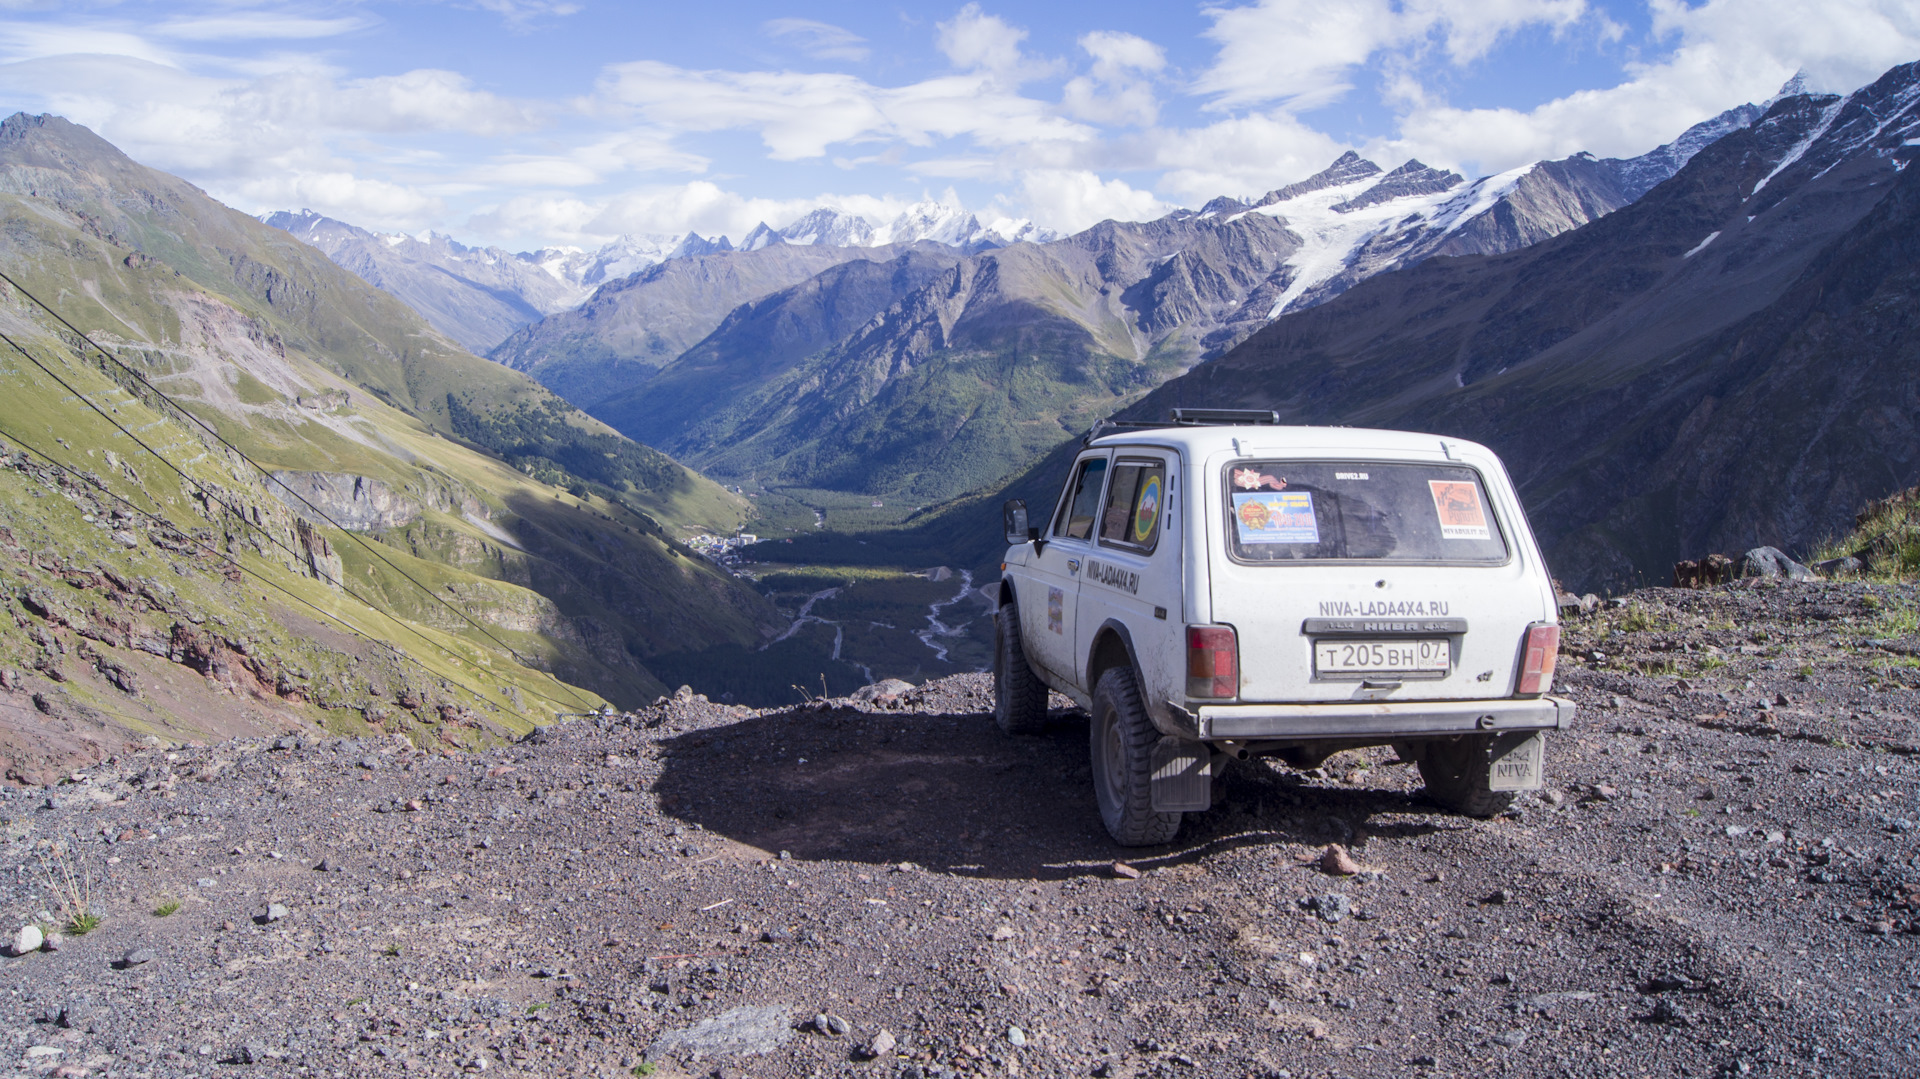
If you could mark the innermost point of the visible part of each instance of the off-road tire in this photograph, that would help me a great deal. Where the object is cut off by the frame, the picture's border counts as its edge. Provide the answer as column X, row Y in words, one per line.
column 1019, row 697
column 1456, row 772
column 1121, row 740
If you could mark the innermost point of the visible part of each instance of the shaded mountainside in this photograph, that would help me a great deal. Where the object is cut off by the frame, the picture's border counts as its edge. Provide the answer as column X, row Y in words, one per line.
column 1725, row 363
column 433, row 457
column 965, row 377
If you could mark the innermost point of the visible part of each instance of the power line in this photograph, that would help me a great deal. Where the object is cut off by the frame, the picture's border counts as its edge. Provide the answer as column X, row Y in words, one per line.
column 211, row 496
column 271, row 479
column 262, row 578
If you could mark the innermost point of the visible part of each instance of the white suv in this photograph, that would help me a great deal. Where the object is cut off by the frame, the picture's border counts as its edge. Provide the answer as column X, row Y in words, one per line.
column 1220, row 587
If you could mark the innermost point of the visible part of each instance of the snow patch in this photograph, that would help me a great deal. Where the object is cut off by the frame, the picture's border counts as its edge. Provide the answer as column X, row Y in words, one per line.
column 1800, row 148
column 1697, row 248
column 1329, row 238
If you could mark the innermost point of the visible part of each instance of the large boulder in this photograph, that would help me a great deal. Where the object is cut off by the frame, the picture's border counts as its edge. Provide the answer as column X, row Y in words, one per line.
column 1773, row 562
column 885, row 688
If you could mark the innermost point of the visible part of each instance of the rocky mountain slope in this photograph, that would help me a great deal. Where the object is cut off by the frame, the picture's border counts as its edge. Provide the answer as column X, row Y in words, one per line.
column 1725, row 363
column 956, row 383
column 631, row 327
column 402, row 505
column 476, row 296
column 1722, row 868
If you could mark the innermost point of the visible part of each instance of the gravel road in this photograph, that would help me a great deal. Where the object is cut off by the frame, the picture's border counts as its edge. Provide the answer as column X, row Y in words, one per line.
column 1722, row 879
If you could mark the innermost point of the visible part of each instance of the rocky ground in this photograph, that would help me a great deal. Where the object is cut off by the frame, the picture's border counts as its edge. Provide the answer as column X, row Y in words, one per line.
column 1722, row 879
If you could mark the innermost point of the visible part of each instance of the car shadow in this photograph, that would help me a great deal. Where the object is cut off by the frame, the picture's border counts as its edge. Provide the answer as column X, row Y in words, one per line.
column 950, row 793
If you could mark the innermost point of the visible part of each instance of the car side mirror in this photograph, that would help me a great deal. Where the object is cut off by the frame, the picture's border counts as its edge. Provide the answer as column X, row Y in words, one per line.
column 1013, row 515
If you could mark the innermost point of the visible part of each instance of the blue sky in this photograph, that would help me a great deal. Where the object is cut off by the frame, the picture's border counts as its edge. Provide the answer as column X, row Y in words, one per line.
column 535, row 122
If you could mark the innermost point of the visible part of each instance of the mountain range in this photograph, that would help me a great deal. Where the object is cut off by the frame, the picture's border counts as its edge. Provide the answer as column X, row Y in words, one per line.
column 1727, row 362
column 478, row 296
column 788, row 365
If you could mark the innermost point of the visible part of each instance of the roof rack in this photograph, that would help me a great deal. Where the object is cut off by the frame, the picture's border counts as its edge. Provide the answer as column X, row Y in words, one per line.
column 1224, row 417
column 1188, row 417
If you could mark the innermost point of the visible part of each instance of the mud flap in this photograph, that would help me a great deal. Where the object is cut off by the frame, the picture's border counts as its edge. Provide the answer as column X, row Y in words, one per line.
column 1182, row 776
column 1517, row 762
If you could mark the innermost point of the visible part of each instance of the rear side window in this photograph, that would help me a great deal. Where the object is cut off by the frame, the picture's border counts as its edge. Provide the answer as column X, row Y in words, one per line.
column 1082, row 505
column 1135, row 497
column 1289, row 511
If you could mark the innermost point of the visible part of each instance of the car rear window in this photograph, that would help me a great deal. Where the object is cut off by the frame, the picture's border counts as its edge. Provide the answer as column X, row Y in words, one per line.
column 1290, row 511
column 1134, row 497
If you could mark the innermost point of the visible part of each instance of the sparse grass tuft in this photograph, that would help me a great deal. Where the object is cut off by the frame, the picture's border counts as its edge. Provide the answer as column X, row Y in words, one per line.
column 643, row 1068
column 1639, row 619
column 392, row 951
column 166, row 907
column 70, row 882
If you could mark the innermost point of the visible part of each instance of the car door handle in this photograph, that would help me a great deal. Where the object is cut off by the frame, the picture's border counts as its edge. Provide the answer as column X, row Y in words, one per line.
column 1073, row 565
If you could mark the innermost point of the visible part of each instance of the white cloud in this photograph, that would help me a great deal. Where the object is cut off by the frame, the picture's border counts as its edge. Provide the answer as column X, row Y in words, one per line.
column 799, row 115
column 1727, row 52
column 820, row 40
column 1242, row 156
column 375, row 204
column 1074, row 199
column 254, row 25
column 28, row 41
column 1297, row 51
column 1304, row 53
column 978, row 42
column 1118, row 89
column 1471, row 28
column 518, row 13
column 700, row 206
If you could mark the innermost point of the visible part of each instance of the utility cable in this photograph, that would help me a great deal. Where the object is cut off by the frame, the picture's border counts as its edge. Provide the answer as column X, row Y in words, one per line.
column 262, row 578
column 271, row 479
column 211, row 496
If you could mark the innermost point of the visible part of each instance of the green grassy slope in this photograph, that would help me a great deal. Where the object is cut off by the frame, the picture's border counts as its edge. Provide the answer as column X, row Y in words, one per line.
column 580, row 578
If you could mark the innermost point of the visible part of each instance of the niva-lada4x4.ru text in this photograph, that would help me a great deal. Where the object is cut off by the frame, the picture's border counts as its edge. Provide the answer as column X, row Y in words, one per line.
column 1212, row 589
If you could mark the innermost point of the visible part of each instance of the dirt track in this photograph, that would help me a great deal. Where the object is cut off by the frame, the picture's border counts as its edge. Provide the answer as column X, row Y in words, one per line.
column 1708, row 888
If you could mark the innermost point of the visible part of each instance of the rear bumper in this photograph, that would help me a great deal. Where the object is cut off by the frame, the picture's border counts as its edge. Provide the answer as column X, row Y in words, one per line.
column 1382, row 719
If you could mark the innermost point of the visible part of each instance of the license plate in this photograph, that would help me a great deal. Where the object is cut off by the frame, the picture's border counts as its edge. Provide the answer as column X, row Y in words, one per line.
column 1381, row 657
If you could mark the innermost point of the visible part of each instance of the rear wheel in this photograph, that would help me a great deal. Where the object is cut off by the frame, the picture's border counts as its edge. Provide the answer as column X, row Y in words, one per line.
column 1121, row 739
column 1019, row 697
column 1457, row 772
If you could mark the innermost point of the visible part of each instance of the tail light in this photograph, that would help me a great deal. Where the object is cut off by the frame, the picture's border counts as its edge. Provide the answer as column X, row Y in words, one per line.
column 1213, row 662
column 1537, row 654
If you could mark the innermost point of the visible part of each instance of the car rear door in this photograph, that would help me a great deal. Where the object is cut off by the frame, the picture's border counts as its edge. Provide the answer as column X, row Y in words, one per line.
column 1372, row 577
column 1131, row 576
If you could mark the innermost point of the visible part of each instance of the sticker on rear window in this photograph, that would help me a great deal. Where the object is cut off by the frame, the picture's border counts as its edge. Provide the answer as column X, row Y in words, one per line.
column 1285, row 517
column 1148, row 514
column 1458, row 506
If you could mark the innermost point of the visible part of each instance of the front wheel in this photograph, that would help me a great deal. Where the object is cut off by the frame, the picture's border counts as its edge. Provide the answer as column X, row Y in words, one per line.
column 1019, row 697
column 1121, row 739
column 1457, row 772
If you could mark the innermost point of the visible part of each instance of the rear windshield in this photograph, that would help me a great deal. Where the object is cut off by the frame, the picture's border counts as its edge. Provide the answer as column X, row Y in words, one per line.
column 1289, row 511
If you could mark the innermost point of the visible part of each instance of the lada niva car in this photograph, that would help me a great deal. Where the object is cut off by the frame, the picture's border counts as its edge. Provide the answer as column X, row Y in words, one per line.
column 1218, row 588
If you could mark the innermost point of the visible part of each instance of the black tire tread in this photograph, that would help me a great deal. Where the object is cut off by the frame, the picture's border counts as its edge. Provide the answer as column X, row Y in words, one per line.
column 1456, row 773
column 1019, row 697
column 1133, row 822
